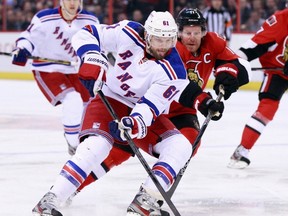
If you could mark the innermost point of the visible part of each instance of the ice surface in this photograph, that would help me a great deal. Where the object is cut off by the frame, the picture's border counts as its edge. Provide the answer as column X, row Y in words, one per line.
column 33, row 150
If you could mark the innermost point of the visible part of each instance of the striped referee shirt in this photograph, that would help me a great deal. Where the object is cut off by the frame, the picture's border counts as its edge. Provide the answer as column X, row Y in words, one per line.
column 219, row 22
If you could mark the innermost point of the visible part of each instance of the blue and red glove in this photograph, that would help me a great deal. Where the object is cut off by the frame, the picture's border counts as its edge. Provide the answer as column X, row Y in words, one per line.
column 226, row 75
column 92, row 72
column 205, row 104
column 20, row 56
column 133, row 125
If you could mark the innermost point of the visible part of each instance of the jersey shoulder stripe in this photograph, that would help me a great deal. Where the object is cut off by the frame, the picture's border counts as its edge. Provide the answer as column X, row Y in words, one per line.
column 173, row 65
column 85, row 15
column 50, row 18
column 48, row 12
column 167, row 68
column 134, row 30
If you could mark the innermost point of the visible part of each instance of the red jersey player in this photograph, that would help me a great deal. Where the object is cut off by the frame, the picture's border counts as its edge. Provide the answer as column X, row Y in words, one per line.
column 203, row 53
column 270, row 45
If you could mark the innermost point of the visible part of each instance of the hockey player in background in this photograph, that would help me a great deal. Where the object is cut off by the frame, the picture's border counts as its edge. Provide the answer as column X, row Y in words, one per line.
column 270, row 45
column 49, row 36
column 148, row 75
column 201, row 58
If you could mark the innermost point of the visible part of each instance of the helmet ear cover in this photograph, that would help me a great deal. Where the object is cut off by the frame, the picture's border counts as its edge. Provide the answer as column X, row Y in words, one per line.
column 191, row 17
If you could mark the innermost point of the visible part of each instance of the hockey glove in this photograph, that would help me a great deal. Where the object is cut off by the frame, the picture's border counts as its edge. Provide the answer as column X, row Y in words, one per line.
column 89, row 85
column 133, row 125
column 92, row 72
column 20, row 56
column 227, row 76
column 207, row 104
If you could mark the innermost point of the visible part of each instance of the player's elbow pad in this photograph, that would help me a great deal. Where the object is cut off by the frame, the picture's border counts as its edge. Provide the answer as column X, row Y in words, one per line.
column 189, row 94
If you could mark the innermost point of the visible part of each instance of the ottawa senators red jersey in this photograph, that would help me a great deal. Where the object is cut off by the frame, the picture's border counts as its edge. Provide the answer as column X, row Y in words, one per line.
column 270, row 43
column 213, row 53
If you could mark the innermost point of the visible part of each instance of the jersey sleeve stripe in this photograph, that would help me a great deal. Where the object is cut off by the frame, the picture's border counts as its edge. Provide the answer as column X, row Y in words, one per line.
column 152, row 106
column 86, row 48
column 22, row 38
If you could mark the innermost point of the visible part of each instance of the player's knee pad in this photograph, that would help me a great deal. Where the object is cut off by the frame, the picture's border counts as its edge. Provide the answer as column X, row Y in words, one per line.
column 93, row 150
column 175, row 151
column 72, row 108
column 191, row 134
column 116, row 157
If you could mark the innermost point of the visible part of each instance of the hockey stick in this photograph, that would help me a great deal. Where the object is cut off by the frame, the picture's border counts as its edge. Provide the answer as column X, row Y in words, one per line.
column 140, row 156
column 195, row 144
column 266, row 68
column 68, row 63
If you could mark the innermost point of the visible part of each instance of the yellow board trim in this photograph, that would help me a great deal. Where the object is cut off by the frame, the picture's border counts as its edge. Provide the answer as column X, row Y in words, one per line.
column 17, row 76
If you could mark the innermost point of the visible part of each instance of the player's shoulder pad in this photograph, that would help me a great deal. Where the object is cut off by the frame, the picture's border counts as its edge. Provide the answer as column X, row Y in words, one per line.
column 86, row 12
column 176, row 63
column 279, row 17
column 137, row 27
column 134, row 30
column 87, row 15
column 47, row 12
column 213, row 38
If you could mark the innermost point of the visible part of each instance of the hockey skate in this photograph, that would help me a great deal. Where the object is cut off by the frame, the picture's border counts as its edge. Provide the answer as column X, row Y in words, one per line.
column 145, row 205
column 47, row 206
column 240, row 158
column 69, row 201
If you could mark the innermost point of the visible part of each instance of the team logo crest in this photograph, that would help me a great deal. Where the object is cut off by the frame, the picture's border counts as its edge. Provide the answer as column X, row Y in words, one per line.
column 283, row 57
column 193, row 73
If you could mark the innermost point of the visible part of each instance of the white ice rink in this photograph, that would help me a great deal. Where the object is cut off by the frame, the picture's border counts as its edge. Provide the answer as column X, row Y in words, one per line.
column 33, row 150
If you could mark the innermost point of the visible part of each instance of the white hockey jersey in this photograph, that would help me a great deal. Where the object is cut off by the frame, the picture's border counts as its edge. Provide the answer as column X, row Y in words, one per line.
column 145, row 84
column 49, row 36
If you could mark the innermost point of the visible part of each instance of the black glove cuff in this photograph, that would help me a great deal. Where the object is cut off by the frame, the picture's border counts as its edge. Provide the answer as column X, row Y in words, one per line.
column 189, row 95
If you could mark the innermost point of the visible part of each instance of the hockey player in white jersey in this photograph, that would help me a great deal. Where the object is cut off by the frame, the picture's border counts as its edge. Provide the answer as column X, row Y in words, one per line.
column 148, row 75
column 49, row 36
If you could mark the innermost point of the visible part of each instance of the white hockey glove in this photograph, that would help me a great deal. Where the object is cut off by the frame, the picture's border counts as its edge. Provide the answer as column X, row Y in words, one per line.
column 133, row 125
column 92, row 72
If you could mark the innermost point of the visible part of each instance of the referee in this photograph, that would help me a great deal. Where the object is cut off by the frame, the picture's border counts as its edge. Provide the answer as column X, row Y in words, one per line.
column 218, row 19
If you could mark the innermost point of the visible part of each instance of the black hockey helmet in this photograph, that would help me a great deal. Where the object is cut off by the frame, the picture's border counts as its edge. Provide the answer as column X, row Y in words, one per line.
column 190, row 17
